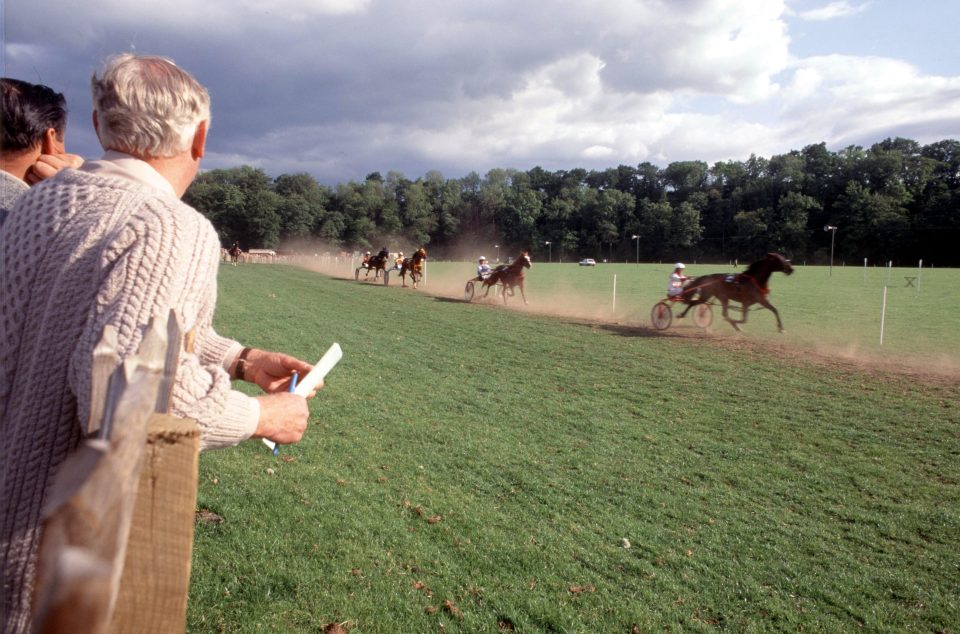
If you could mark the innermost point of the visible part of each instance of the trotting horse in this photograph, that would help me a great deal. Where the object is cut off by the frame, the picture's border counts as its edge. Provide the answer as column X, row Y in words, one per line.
column 414, row 266
column 749, row 287
column 510, row 275
column 377, row 264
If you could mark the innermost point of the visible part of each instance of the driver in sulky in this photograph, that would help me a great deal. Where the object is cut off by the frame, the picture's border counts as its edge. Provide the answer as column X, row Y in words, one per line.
column 483, row 269
column 677, row 280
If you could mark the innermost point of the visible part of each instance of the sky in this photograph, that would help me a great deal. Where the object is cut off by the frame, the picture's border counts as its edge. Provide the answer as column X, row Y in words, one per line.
column 343, row 88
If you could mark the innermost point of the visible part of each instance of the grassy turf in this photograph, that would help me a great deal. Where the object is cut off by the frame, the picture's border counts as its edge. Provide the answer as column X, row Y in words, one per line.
column 478, row 469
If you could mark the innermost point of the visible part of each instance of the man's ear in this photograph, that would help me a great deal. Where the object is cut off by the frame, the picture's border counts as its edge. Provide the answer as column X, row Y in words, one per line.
column 96, row 125
column 51, row 143
column 199, row 146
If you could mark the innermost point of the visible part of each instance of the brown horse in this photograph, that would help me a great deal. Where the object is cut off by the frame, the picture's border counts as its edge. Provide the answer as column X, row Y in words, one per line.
column 414, row 266
column 748, row 288
column 509, row 275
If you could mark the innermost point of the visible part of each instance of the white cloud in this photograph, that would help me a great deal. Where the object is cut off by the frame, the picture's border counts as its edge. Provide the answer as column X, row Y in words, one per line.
column 341, row 88
column 842, row 99
column 840, row 9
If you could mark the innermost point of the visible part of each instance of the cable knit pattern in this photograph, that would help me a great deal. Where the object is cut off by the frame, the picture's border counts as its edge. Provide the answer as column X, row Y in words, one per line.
column 11, row 188
column 78, row 252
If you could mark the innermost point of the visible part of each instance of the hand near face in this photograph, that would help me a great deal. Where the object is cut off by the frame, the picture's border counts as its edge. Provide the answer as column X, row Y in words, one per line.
column 49, row 164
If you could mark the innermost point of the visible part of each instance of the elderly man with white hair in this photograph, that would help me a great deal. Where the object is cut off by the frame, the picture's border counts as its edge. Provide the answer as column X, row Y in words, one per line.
column 112, row 243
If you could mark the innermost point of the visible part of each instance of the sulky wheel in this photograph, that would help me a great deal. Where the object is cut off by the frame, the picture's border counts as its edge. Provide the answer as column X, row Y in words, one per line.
column 468, row 291
column 661, row 316
column 703, row 315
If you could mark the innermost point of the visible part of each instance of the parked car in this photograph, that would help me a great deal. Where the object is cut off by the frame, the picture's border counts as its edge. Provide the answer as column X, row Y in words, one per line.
column 588, row 262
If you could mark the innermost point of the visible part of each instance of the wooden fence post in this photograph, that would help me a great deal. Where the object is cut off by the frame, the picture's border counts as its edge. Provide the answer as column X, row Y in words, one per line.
column 156, row 573
column 88, row 514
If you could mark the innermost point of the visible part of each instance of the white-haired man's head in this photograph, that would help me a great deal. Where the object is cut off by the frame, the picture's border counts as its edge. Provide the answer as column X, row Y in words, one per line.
column 147, row 106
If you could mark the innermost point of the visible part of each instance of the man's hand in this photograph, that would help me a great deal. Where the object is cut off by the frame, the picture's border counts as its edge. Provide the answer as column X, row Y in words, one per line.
column 283, row 418
column 49, row 164
column 272, row 370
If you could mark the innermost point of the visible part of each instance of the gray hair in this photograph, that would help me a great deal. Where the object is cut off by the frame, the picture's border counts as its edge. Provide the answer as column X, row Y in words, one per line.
column 147, row 106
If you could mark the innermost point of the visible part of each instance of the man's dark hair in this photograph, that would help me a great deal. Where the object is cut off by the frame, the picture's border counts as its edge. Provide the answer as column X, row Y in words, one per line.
column 29, row 110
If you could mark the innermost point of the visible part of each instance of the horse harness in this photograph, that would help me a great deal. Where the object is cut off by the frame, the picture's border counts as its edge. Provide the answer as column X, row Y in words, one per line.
column 763, row 289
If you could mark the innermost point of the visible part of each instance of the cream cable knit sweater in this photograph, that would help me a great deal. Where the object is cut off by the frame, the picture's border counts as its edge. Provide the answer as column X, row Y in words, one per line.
column 11, row 188
column 78, row 252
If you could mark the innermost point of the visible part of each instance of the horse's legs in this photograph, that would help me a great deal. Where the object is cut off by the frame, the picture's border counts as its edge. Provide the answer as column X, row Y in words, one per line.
column 744, row 312
column 522, row 293
column 763, row 302
column 726, row 315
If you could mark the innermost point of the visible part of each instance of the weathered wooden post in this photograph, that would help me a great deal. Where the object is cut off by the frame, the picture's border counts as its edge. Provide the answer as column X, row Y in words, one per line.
column 95, row 506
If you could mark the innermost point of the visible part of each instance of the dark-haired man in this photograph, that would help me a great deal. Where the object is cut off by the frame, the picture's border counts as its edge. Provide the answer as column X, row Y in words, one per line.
column 34, row 119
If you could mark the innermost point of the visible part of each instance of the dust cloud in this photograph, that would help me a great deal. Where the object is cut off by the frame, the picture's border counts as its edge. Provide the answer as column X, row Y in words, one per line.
column 565, row 302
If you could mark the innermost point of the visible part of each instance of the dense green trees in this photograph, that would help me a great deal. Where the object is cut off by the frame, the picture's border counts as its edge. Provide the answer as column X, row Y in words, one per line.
column 896, row 200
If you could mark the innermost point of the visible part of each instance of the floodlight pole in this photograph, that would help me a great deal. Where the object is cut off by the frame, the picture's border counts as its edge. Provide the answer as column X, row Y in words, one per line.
column 637, row 238
column 550, row 251
column 833, row 234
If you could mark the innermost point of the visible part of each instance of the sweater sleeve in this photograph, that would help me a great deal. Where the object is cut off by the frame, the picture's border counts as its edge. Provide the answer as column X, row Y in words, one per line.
column 216, row 349
column 159, row 259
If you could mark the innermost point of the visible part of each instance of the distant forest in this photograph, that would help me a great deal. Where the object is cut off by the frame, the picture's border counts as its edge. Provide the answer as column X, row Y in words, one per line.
column 895, row 201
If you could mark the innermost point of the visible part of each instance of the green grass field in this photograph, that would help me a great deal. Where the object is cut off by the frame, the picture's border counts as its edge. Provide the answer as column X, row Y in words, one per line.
column 475, row 469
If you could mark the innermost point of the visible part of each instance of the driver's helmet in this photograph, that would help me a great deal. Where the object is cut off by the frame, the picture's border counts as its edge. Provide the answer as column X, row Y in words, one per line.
column 400, row 254
column 679, row 265
column 367, row 253
column 482, row 259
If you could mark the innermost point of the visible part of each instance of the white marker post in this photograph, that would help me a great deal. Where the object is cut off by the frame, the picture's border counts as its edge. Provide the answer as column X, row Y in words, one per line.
column 614, row 311
column 864, row 270
column 883, row 313
column 919, row 271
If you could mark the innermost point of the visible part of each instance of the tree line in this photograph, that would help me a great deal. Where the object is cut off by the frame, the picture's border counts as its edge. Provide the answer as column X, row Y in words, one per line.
column 897, row 200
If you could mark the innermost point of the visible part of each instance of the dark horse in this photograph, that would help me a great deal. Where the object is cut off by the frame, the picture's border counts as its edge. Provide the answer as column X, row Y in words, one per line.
column 377, row 264
column 749, row 287
column 414, row 266
column 510, row 275
column 235, row 253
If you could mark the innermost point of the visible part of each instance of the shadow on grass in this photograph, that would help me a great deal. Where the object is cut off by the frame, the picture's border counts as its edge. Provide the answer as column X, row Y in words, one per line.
column 378, row 283
column 624, row 330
